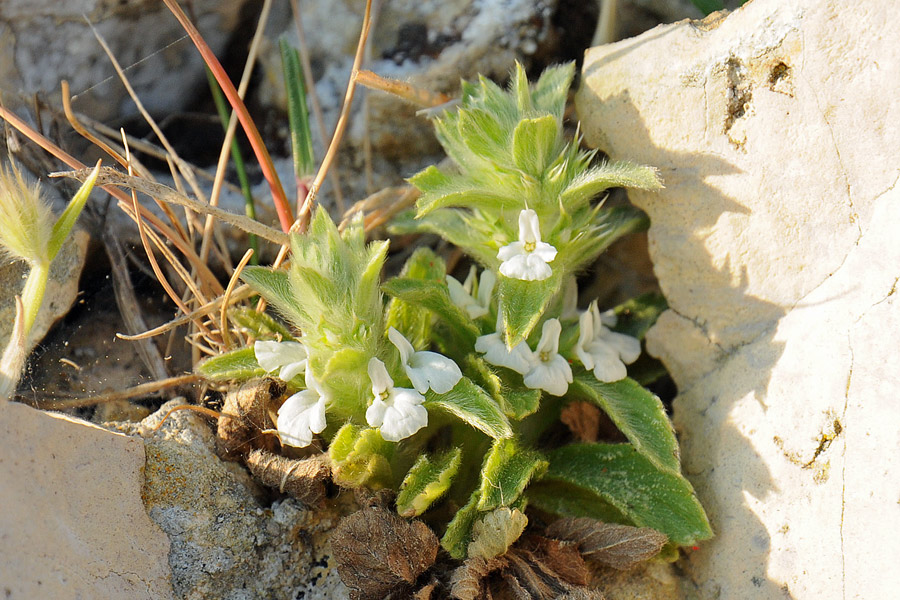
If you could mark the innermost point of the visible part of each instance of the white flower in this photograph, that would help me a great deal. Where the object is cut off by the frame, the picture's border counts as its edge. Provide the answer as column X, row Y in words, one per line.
column 570, row 300
column 527, row 258
column 550, row 371
column 398, row 412
column 461, row 293
column 290, row 357
column 425, row 369
column 605, row 352
column 495, row 352
column 303, row 414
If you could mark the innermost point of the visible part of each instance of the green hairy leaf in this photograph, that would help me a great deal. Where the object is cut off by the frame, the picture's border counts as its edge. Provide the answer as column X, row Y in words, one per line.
column 459, row 531
column 434, row 296
column 637, row 315
column 570, row 501
column 519, row 402
column 414, row 321
column 551, row 90
column 259, row 324
column 622, row 477
column 637, row 413
column 523, row 302
column 472, row 405
column 275, row 287
column 592, row 182
column 535, row 144
column 239, row 365
column 427, row 480
column 360, row 457
column 507, row 469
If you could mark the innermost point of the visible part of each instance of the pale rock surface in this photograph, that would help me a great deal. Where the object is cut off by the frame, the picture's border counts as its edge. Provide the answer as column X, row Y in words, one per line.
column 778, row 137
column 44, row 41
column 431, row 44
column 226, row 543
column 72, row 523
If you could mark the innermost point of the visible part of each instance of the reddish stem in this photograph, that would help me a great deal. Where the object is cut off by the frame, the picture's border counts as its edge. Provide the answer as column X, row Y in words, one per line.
column 282, row 207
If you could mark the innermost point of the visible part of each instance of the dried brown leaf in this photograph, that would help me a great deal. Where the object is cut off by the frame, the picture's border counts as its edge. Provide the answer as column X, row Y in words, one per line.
column 583, row 419
column 245, row 415
column 468, row 581
column 617, row 546
column 562, row 559
column 527, row 572
column 377, row 551
column 304, row 479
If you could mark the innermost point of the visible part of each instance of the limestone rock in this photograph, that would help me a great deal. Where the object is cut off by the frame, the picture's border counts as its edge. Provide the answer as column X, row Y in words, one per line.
column 429, row 44
column 226, row 543
column 775, row 243
column 43, row 41
column 72, row 523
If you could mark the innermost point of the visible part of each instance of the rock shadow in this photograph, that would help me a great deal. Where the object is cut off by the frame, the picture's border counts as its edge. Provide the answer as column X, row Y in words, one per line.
column 740, row 341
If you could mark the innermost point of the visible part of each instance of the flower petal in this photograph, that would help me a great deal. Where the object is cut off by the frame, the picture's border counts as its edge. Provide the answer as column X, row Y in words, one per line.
column 529, row 226
column 629, row 348
column 381, row 381
column 375, row 413
column 458, row 293
column 549, row 343
column 430, row 369
column 405, row 415
column 511, row 250
column 519, row 359
column 553, row 376
column 486, row 284
column 585, row 337
column 406, row 349
column 274, row 355
column 301, row 415
column 527, row 267
column 608, row 367
column 544, row 251
column 291, row 370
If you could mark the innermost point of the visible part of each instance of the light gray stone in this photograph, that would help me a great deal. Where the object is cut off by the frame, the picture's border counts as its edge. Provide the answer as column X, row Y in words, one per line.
column 228, row 543
column 431, row 44
column 72, row 523
column 44, row 41
column 777, row 136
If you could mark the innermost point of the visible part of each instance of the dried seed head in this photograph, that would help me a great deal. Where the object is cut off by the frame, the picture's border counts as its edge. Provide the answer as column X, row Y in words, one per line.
column 378, row 552
column 245, row 416
column 26, row 222
column 304, row 479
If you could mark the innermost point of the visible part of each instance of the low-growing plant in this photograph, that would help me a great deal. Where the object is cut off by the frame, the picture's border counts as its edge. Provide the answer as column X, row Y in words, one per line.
column 451, row 393
column 30, row 233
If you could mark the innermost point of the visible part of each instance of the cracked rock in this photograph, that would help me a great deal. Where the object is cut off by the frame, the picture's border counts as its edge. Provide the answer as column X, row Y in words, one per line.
column 227, row 543
column 72, row 524
column 775, row 244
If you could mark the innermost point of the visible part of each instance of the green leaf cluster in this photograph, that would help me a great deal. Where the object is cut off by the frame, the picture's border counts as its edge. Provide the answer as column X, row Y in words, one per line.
column 510, row 153
column 332, row 294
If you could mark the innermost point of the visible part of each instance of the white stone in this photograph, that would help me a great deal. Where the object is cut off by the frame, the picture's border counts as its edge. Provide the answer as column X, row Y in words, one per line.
column 777, row 133
column 72, row 523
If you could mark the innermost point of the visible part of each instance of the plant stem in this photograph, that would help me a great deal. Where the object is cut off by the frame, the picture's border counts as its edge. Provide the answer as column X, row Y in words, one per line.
column 33, row 292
